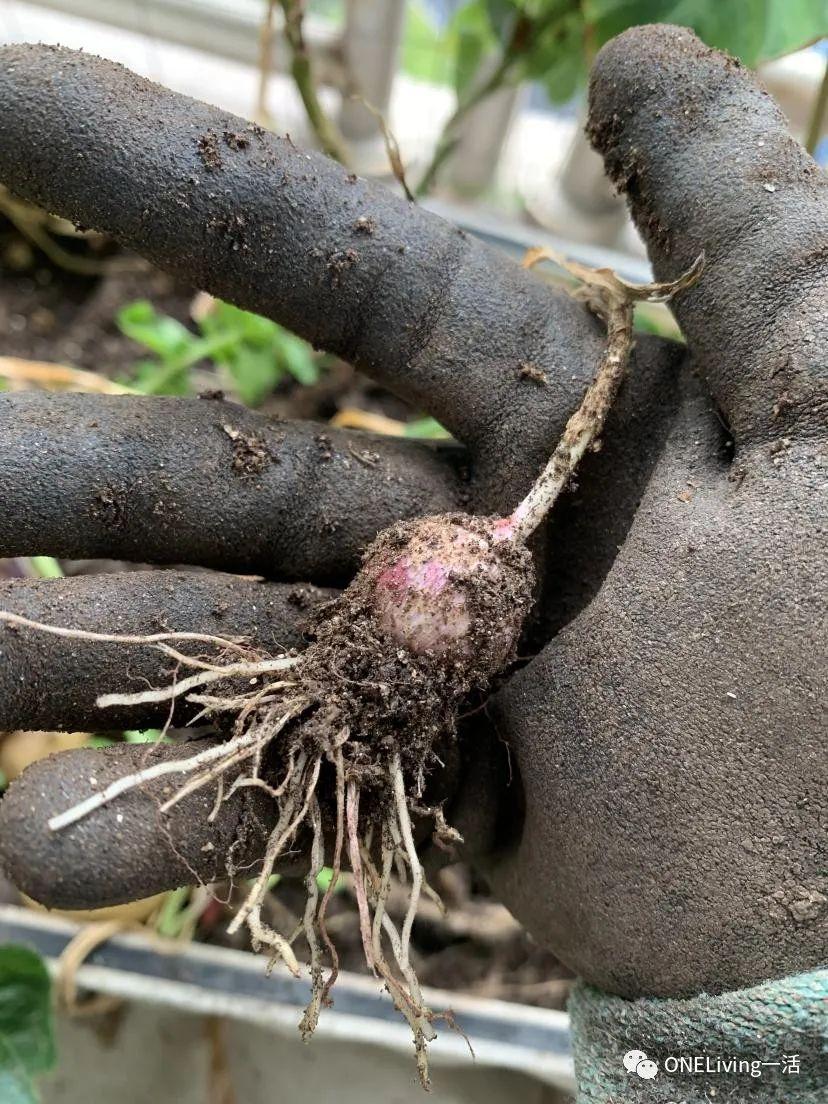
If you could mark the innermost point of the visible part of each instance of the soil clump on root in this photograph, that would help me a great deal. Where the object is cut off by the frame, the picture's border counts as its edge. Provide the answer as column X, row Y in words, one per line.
column 433, row 615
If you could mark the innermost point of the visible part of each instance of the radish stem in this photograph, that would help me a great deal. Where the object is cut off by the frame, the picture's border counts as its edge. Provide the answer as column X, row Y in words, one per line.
column 613, row 299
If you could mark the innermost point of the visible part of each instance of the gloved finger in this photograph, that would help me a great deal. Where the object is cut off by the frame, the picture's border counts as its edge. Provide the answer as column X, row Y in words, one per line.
column 128, row 849
column 707, row 163
column 443, row 320
column 52, row 682
column 206, row 482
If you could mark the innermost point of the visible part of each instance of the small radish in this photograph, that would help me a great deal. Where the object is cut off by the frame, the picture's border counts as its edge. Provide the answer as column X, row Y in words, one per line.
column 450, row 587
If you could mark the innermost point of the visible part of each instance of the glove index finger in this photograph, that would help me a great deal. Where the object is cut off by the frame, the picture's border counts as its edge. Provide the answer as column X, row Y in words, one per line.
column 708, row 165
column 128, row 849
column 429, row 311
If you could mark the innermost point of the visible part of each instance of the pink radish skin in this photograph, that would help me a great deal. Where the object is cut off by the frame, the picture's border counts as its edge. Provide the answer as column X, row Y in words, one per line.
column 438, row 594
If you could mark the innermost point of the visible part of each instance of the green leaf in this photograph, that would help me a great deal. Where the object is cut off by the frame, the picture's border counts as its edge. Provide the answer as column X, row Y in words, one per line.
column 218, row 347
column 472, row 37
column 558, row 57
column 255, row 329
column 15, row 1084
column 297, row 358
column 154, row 377
column 791, row 25
column 238, row 324
column 255, row 350
column 25, row 1008
column 427, row 53
column 255, row 373
column 130, row 736
column 753, row 30
column 172, row 914
column 100, row 742
column 428, row 428
column 46, row 567
column 163, row 335
column 143, row 735
column 324, row 879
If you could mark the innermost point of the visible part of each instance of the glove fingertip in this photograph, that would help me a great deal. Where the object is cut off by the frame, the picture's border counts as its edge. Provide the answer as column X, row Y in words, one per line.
column 127, row 849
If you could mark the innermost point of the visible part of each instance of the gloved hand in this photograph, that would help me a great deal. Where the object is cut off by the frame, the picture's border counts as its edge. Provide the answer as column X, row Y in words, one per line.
column 660, row 821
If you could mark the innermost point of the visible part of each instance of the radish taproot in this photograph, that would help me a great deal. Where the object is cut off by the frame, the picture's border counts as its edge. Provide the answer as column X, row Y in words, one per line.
column 344, row 735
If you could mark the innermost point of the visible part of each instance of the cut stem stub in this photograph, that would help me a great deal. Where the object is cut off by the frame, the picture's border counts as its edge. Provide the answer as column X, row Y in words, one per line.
column 613, row 299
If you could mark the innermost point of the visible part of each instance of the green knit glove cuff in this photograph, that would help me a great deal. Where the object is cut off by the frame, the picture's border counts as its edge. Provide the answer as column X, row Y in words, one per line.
column 764, row 1044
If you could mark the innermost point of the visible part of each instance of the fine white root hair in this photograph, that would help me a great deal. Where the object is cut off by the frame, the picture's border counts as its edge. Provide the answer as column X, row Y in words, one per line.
column 310, row 1019
column 282, row 834
column 401, row 801
column 339, row 765
column 265, row 733
column 263, row 935
column 371, row 889
column 147, row 774
column 218, row 674
column 351, row 823
column 185, row 765
column 122, row 638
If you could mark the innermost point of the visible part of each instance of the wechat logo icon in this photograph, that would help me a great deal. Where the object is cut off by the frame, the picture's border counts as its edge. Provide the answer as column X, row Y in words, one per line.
column 636, row 1061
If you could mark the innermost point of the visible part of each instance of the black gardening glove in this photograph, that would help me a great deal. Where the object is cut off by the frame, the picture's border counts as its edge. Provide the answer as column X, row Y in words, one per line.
column 662, row 827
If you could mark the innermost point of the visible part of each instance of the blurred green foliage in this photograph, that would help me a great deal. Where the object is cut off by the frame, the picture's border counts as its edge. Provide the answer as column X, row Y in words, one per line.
column 27, row 1046
column 254, row 354
column 554, row 41
column 427, row 428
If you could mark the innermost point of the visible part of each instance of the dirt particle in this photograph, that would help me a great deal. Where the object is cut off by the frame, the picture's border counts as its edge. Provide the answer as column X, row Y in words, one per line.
column 325, row 446
column 780, row 445
column 737, row 476
column 213, row 395
column 528, row 370
column 208, row 150
column 366, row 457
column 300, row 598
column 352, row 178
column 251, row 454
column 801, row 903
column 109, row 506
column 236, row 140
column 365, row 225
column 339, row 262
column 231, row 226
column 783, row 402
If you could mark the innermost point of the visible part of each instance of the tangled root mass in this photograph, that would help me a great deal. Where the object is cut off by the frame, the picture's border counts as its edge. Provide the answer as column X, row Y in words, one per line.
column 344, row 736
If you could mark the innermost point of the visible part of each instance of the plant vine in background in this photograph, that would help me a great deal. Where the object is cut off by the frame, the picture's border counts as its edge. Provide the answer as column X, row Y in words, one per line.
column 301, row 70
column 490, row 45
column 497, row 44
